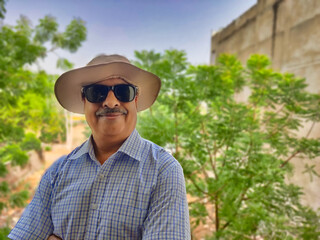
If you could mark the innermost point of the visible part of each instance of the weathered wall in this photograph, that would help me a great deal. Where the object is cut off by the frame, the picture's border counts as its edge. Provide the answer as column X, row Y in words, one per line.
column 285, row 30
column 288, row 31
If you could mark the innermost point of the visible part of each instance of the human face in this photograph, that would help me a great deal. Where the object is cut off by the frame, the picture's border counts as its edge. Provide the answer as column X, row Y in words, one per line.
column 118, row 124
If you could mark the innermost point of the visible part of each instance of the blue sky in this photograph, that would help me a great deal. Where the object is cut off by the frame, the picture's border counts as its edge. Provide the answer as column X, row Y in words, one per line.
column 122, row 26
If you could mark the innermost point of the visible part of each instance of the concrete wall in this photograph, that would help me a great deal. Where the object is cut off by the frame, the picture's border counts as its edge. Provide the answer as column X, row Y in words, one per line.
column 288, row 31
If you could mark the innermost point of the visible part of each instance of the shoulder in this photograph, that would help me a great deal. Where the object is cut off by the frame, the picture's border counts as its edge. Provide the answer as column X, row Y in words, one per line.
column 165, row 161
column 52, row 172
column 56, row 166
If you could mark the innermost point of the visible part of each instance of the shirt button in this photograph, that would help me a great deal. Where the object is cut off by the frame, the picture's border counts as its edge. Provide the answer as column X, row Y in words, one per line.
column 101, row 176
column 94, row 206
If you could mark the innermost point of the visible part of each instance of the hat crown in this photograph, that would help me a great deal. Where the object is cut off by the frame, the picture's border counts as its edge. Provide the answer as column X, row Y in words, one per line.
column 101, row 59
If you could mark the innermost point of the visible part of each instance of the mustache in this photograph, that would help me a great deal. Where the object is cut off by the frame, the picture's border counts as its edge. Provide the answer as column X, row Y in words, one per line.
column 107, row 110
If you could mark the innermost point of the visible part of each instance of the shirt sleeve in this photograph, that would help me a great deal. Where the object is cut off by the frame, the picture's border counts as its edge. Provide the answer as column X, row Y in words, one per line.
column 36, row 222
column 168, row 216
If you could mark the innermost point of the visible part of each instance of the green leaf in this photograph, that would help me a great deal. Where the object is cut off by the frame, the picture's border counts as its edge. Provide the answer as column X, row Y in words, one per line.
column 4, row 188
column 30, row 142
column 13, row 153
column 3, row 169
column 73, row 36
column 64, row 64
column 4, row 232
column 46, row 29
column 19, row 199
column 311, row 171
column 2, row 8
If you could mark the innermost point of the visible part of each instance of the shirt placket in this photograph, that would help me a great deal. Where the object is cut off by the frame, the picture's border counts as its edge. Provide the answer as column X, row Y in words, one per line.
column 97, row 195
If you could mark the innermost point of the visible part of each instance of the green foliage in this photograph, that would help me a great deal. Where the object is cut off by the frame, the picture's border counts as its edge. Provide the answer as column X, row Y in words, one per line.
column 2, row 8
column 236, row 155
column 4, row 232
column 30, row 142
column 46, row 29
column 64, row 64
column 28, row 112
column 19, row 199
column 48, row 148
column 74, row 35
column 14, row 155
column 71, row 39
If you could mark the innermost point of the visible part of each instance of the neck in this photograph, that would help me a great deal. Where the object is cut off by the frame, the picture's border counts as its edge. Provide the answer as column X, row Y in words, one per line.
column 104, row 147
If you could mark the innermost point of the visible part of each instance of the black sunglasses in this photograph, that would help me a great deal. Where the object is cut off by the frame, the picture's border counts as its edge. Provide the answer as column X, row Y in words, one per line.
column 97, row 93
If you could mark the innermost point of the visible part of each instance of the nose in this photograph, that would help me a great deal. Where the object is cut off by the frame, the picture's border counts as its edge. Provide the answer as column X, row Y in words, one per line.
column 111, row 101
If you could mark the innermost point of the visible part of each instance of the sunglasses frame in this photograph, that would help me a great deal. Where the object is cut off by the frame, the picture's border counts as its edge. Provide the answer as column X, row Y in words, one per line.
column 113, row 88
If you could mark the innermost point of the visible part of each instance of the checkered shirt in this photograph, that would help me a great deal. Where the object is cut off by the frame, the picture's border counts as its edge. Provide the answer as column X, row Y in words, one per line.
column 138, row 193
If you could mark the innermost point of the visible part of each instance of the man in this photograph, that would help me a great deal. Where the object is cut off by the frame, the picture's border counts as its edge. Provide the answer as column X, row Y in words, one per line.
column 116, row 185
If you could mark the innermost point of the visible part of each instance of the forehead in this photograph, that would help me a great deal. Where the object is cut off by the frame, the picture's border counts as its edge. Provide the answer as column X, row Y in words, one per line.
column 112, row 81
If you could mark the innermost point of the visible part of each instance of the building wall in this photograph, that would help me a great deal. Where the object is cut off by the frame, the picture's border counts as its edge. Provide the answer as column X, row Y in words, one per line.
column 288, row 31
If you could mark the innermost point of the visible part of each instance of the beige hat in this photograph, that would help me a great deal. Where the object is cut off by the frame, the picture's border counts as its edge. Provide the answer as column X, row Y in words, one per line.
column 68, row 86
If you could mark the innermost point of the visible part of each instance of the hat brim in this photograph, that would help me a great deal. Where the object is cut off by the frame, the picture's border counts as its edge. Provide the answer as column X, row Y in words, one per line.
column 68, row 86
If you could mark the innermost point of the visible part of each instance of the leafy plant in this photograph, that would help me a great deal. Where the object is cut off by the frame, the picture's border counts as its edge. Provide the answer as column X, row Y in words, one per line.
column 236, row 155
column 28, row 112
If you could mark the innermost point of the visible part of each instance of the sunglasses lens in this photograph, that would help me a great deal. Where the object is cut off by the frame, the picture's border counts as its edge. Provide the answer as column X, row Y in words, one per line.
column 98, row 93
column 124, row 93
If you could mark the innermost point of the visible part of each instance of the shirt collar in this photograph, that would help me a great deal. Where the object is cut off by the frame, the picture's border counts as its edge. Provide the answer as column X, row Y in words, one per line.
column 86, row 147
column 132, row 147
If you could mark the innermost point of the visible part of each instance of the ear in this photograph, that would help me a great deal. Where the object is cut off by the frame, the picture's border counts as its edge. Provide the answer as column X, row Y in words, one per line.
column 83, row 97
column 136, row 100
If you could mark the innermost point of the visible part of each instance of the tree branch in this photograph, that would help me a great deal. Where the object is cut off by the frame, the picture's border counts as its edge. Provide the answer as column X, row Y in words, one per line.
column 216, row 207
column 292, row 156
column 242, row 198
column 213, row 165
column 276, row 113
column 197, row 187
column 176, row 137
column 310, row 130
column 224, row 159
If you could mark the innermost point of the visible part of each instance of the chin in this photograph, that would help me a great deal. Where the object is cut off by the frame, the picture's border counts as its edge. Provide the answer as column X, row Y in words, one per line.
column 122, row 133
